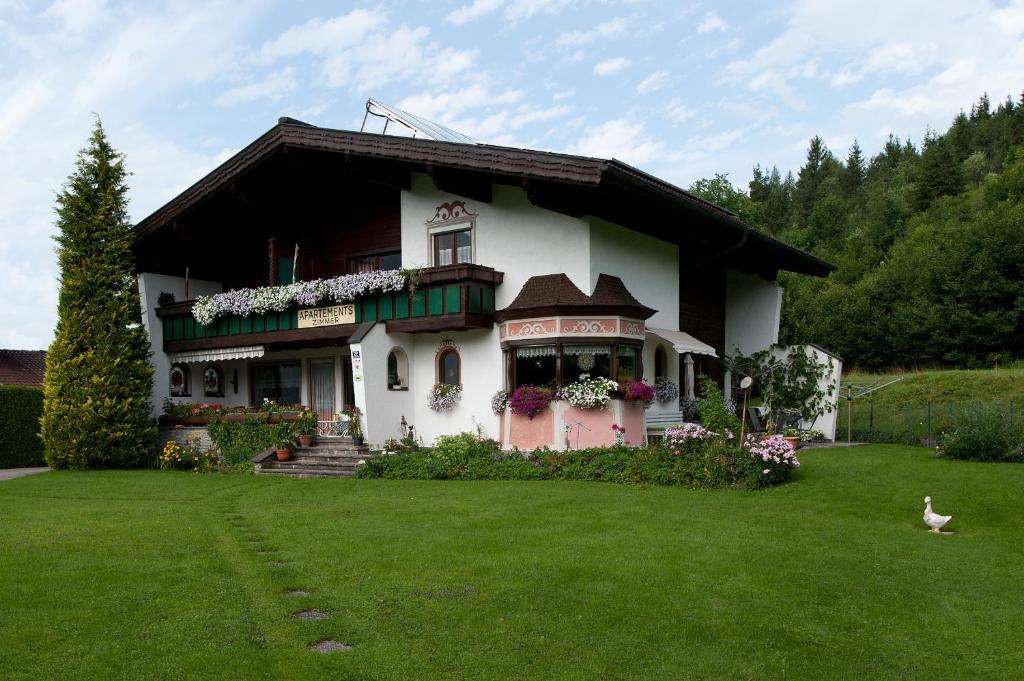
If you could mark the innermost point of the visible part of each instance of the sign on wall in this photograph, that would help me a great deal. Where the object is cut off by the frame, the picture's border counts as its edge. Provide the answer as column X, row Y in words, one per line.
column 327, row 316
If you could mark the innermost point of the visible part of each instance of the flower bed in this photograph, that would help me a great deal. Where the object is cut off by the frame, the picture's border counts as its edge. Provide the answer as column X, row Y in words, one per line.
column 708, row 461
column 343, row 289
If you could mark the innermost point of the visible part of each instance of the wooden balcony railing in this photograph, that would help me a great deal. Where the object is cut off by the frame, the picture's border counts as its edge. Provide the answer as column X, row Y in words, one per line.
column 447, row 299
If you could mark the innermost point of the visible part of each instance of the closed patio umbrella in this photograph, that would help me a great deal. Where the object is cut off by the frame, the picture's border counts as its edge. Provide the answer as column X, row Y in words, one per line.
column 688, row 377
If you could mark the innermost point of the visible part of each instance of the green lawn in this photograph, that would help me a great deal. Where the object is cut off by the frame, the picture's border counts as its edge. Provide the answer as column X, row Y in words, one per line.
column 833, row 576
column 901, row 412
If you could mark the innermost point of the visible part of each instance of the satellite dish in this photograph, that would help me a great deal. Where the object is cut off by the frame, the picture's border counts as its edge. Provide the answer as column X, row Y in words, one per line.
column 746, row 383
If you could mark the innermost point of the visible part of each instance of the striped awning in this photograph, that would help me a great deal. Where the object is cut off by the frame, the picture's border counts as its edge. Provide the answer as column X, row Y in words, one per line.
column 683, row 342
column 217, row 355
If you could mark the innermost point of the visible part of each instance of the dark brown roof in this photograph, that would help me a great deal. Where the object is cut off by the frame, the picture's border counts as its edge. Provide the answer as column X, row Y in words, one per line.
column 497, row 164
column 22, row 367
column 556, row 294
column 548, row 290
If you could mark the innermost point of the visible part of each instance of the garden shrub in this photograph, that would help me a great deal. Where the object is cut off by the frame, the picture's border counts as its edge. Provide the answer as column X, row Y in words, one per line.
column 697, row 462
column 984, row 433
column 20, row 410
column 239, row 441
column 714, row 410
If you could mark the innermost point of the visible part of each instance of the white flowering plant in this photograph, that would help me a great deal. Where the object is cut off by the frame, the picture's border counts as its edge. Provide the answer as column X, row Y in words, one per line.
column 665, row 389
column 444, row 396
column 589, row 393
column 499, row 402
column 343, row 289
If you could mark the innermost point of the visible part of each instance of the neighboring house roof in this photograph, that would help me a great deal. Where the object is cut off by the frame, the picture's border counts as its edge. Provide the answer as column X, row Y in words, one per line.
column 22, row 367
column 575, row 185
column 556, row 294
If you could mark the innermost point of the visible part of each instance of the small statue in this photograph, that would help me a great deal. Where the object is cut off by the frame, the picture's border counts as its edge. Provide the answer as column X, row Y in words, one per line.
column 934, row 520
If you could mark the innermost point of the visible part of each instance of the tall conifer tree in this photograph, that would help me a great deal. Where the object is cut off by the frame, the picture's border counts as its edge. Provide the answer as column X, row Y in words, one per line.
column 96, row 410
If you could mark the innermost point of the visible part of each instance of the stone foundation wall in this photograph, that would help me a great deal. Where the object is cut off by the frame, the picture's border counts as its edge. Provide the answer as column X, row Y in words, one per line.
column 183, row 434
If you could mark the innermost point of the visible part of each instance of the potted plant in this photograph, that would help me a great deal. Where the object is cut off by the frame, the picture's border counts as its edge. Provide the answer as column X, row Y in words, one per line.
column 355, row 426
column 792, row 436
column 284, row 440
column 306, row 427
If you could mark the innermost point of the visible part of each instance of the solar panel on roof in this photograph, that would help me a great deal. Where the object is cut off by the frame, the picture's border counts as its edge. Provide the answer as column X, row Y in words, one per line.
column 416, row 125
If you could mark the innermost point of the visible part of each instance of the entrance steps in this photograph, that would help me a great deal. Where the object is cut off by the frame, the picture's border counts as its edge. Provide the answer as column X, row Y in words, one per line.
column 335, row 457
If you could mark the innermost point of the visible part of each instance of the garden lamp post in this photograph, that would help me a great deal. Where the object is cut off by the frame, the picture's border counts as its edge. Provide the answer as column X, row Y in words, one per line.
column 745, row 387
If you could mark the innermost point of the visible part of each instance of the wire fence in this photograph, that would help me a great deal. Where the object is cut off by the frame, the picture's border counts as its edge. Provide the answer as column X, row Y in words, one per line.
column 911, row 423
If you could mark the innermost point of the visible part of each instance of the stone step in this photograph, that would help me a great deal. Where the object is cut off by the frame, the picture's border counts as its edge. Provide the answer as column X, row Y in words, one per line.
column 326, row 459
column 318, row 472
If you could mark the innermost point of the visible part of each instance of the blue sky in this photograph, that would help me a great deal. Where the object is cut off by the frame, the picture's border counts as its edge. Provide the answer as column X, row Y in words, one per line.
column 682, row 90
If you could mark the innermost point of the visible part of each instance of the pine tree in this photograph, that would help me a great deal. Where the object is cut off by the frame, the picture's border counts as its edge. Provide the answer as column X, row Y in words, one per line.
column 853, row 172
column 96, row 409
column 810, row 184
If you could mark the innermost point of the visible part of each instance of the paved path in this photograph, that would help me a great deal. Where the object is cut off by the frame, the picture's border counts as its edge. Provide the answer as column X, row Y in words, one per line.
column 9, row 473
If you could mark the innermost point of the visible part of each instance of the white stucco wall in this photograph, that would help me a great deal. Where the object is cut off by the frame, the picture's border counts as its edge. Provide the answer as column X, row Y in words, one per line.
column 481, row 357
column 647, row 266
column 672, row 359
column 512, row 236
column 753, row 307
column 382, row 408
column 150, row 287
column 826, row 423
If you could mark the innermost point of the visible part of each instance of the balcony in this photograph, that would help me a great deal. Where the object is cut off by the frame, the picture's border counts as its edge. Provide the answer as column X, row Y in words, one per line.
column 453, row 298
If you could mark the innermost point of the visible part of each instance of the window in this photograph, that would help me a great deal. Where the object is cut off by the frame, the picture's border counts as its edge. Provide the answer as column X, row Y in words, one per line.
column 453, row 248
column 213, row 381
column 398, row 370
column 535, row 365
column 372, row 263
column 660, row 362
column 593, row 360
column 449, row 368
column 278, row 382
column 629, row 364
column 181, row 380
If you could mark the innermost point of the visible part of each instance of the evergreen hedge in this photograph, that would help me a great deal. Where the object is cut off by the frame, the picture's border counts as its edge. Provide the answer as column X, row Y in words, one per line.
column 20, row 410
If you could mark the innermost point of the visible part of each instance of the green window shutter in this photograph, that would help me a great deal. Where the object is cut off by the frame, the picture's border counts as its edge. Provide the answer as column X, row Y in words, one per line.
column 488, row 305
column 452, row 299
column 386, row 305
column 419, row 307
column 246, row 324
column 234, row 325
column 370, row 309
column 434, row 297
column 271, row 321
column 401, row 305
column 284, row 270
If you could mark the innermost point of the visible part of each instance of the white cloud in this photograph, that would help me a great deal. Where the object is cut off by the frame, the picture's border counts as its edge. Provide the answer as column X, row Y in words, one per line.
column 323, row 36
column 606, row 29
column 77, row 15
column 711, row 23
column 653, row 82
column 563, row 94
column 678, row 112
column 619, row 138
column 473, row 11
column 274, row 86
column 610, row 67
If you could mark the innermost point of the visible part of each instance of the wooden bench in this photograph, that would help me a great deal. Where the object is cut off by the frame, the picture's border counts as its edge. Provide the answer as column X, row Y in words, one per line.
column 655, row 424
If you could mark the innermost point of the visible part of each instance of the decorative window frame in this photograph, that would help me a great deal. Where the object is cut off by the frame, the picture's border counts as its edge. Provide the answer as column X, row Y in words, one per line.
column 451, row 216
column 446, row 348
column 401, row 357
column 219, row 392
column 186, row 371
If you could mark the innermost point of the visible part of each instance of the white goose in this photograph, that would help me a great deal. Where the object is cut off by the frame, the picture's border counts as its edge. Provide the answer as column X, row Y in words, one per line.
column 932, row 519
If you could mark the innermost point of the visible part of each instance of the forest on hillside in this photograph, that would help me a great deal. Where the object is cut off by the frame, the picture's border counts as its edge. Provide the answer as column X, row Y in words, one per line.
column 928, row 241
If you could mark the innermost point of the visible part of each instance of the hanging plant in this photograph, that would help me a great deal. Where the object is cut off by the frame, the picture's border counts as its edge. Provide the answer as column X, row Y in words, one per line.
column 499, row 402
column 638, row 391
column 589, row 393
column 665, row 390
column 444, row 396
column 343, row 289
column 530, row 400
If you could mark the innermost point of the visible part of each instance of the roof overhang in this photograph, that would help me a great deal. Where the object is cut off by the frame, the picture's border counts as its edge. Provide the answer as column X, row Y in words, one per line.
column 574, row 185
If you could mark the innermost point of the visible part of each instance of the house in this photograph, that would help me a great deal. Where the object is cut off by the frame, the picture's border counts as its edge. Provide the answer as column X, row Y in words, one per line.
column 22, row 367
column 533, row 267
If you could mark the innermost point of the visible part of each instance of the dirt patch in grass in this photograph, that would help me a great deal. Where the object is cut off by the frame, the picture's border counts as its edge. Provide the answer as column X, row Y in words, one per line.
column 330, row 646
